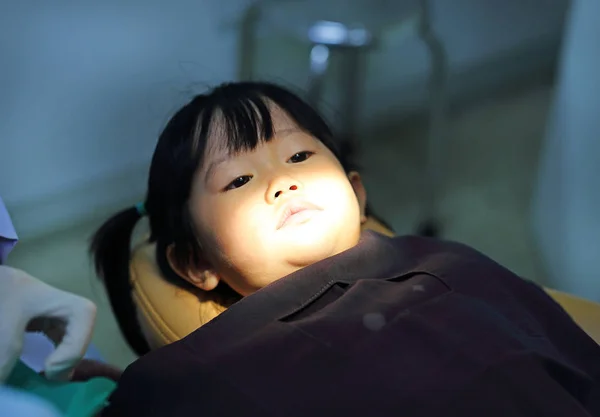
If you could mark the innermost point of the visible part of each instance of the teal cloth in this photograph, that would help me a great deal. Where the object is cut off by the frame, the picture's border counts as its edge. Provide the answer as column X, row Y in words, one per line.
column 73, row 399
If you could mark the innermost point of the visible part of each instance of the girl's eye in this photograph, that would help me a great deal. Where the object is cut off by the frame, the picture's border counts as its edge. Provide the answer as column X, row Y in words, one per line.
column 300, row 157
column 238, row 182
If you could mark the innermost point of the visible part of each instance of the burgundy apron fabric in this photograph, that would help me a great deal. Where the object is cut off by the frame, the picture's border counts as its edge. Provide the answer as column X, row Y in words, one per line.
column 403, row 326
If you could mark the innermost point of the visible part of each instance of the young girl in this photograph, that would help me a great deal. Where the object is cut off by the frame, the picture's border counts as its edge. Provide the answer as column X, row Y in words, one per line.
column 249, row 196
column 205, row 192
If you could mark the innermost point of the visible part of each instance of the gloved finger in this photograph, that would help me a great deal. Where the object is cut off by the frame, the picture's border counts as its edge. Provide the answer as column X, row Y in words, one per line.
column 79, row 318
column 12, row 333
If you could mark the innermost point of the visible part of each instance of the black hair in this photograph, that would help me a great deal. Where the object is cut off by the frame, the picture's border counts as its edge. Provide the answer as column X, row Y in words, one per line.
column 241, row 111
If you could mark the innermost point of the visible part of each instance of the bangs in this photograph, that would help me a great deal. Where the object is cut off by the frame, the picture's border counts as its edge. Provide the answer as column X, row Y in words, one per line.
column 234, row 126
column 238, row 117
column 234, row 118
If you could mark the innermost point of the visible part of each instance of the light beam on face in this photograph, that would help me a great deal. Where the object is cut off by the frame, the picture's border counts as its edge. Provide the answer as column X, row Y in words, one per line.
column 268, row 212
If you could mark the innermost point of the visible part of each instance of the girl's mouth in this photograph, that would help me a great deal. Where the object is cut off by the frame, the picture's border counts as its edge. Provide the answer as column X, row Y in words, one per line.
column 297, row 212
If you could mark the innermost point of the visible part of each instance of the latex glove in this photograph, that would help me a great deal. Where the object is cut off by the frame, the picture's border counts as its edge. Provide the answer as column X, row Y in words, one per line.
column 30, row 305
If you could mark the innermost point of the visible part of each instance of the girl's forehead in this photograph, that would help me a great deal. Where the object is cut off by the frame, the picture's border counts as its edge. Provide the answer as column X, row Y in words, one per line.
column 281, row 120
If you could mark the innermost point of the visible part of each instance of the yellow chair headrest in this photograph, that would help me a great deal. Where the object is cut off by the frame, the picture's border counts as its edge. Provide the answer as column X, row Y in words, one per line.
column 167, row 313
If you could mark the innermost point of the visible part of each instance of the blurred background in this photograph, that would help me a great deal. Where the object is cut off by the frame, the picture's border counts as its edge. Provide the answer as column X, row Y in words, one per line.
column 476, row 119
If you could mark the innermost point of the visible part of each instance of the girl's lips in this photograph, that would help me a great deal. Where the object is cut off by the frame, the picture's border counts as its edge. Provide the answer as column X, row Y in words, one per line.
column 297, row 212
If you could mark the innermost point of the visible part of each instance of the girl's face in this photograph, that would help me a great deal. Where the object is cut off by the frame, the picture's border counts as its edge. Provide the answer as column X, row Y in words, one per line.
column 264, row 214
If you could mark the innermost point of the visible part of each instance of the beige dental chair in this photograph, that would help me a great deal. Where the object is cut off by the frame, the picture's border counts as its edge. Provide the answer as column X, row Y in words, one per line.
column 168, row 313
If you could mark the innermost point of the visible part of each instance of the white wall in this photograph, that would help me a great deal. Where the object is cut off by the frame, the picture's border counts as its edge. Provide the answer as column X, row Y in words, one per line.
column 476, row 33
column 87, row 86
column 567, row 204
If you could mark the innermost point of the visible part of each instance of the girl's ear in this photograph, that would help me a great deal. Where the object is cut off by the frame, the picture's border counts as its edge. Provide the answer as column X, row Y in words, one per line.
column 199, row 274
column 361, row 194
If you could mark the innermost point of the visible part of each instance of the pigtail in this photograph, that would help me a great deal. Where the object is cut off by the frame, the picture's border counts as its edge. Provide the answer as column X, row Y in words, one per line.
column 110, row 250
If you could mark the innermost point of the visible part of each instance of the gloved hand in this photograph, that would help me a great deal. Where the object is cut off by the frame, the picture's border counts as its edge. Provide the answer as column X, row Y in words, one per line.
column 30, row 305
